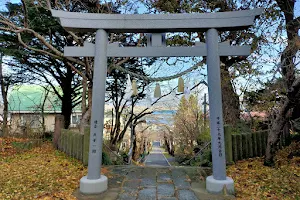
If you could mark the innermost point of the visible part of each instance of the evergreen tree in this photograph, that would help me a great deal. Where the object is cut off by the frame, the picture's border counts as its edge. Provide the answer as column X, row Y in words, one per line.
column 39, row 66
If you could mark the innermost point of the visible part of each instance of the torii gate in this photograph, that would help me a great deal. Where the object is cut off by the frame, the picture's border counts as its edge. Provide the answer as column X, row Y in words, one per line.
column 157, row 24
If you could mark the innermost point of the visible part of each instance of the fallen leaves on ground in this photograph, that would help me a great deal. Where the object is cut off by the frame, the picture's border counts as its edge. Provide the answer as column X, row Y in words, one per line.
column 6, row 146
column 44, row 173
column 40, row 173
column 253, row 180
column 137, row 163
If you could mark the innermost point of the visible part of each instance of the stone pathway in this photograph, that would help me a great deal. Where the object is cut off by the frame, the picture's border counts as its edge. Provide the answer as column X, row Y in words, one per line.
column 156, row 158
column 155, row 183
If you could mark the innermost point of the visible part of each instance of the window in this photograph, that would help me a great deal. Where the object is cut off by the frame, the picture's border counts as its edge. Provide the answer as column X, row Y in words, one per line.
column 31, row 120
column 75, row 119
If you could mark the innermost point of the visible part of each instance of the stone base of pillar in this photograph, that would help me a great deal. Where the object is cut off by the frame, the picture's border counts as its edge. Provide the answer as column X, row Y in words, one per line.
column 219, row 186
column 88, row 186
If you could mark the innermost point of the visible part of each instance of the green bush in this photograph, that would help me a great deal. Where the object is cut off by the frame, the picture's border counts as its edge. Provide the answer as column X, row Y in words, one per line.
column 181, row 158
column 22, row 145
column 241, row 127
column 206, row 158
column 204, row 136
column 26, row 145
column 105, row 159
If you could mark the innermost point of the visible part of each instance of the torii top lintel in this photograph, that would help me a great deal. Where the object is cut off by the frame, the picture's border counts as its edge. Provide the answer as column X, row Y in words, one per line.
column 152, row 23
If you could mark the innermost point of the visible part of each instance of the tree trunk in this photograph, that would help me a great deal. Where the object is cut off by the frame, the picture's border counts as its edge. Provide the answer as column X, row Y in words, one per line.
column 167, row 144
column 288, row 72
column 86, row 110
column 280, row 122
column 5, row 114
column 66, row 108
column 274, row 134
column 132, row 141
column 67, row 104
column 230, row 100
column 295, row 116
column 4, row 89
column 59, row 122
column 43, row 111
column 135, row 150
column 172, row 147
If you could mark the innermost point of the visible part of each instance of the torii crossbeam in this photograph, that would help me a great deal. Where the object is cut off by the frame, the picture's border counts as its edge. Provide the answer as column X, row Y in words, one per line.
column 158, row 24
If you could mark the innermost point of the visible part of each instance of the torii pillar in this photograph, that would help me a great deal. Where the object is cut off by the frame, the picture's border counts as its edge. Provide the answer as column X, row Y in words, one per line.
column 94, row 182
column 216, row 182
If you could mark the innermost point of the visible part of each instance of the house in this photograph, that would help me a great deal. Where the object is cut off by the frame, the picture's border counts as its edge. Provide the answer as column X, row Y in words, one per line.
column 31, row 106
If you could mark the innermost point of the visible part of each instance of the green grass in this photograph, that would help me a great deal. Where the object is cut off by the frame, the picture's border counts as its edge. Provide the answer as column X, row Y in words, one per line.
column 167, row 155
column 174, row 163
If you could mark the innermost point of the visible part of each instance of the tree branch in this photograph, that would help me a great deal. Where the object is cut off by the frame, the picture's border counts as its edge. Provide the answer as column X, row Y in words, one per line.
column 295, row 23
column 25, row 14
column 18, row 30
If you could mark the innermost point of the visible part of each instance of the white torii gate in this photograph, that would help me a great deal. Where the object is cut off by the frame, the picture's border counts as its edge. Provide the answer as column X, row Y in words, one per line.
column 158, row 24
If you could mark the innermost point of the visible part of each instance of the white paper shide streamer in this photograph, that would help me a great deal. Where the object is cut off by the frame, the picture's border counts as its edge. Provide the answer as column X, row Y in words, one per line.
column 128, row 89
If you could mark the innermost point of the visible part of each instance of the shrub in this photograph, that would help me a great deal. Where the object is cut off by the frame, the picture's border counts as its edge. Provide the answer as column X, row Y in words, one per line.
column 204, row 136
column 26, row 145
column 181, row 158
column 206, row 160
column 105, row 159
column 22, row 145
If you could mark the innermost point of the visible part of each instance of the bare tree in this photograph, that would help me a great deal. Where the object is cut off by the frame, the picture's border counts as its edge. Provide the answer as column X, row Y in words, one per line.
column 292, row 83
column 189, row 124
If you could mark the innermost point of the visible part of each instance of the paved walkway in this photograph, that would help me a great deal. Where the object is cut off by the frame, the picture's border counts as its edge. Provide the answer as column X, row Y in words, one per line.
column 155, row 183
column 156, row 158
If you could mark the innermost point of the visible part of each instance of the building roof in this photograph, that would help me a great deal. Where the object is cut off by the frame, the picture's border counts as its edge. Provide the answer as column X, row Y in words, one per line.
column 29, row 99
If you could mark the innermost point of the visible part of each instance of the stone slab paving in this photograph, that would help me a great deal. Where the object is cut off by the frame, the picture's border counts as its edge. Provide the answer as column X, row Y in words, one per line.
column 167, row 198
column 163, row 177
column 155, row 183
column 132, row 183
column 186, row 195
column 165, row 190
column 126, row 196
column 148, row 182
column 147, row 194
column 156, row 158
column 181, row 183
